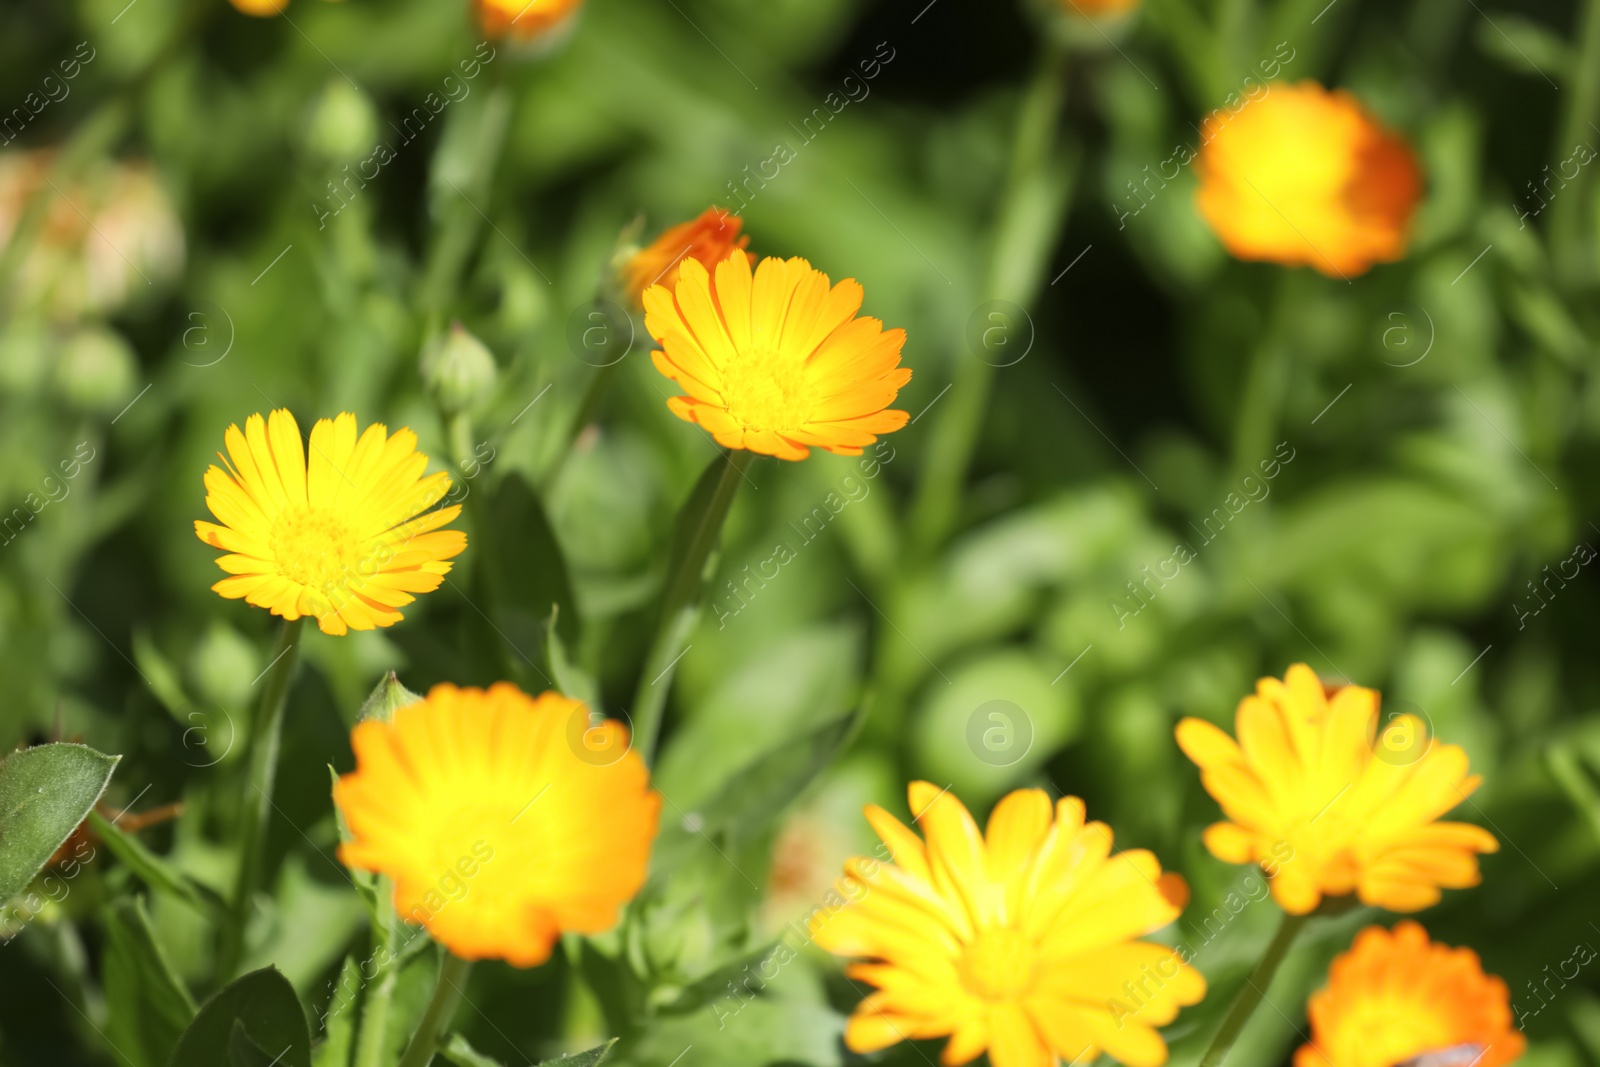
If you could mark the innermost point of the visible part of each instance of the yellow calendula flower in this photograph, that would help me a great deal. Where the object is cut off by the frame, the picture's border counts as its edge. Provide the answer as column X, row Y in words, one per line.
column 259, row 8
column 710, row 238
column 777, row 361
column 505, row 820
column 1022, row 941
column 524, row 20
column 1398, row 998
column 1307, row 177
column 344, row 535
column 1328, row 805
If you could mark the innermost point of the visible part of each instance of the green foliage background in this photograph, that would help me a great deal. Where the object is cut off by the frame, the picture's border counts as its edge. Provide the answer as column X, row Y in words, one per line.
column 1441, row 414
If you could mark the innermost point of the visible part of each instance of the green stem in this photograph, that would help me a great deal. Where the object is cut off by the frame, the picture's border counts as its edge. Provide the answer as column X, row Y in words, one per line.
column 1028, row 219
column 371, row 1039
column 599, row 383
column 441, row 1009
column 1569, row 237
column 460, row 204
column 1254, row 991
column 1266, row 379
column 698, row 532
column 266, row 737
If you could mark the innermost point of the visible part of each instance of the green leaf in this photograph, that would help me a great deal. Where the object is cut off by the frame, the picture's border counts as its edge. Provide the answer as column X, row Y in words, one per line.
column 265, row 1004
column 1526, row 47
column 156, row 872
column 45, row 792
column 458, row 1051
column 588, row 1058
column 523, row 574
column 753, row 800
column 243, row 1052
column 570, row 679
column 149, row 1005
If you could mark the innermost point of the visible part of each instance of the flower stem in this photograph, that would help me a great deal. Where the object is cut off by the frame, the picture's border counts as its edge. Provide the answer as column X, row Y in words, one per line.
column 440, row 1010
column 266, row 736
column 1026, row 226
column 699, row 528
column 1569, row 235
column 1254, row 991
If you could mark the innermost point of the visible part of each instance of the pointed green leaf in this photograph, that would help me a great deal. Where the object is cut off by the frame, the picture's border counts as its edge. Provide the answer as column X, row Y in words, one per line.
column 244, row 1052
column 156, row 872
column 148, row 1004
column 45, row 792
column 459, row 1052
column 588, row 1058
column 265, row 1004
column 570, row 679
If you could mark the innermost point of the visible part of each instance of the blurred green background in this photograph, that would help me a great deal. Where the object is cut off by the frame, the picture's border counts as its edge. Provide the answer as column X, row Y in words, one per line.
column 1434, row 423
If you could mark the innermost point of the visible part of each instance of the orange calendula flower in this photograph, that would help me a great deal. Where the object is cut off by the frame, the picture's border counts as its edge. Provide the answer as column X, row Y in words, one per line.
column 345, row 536
column 524, row 20
column 259, row 8
column 1398, row 998
column 505, row 820
column 1304, row 176
column 1096, row 8
column 1021, row 941
column 711, row 238
column 1328, row 805
column 777, row 361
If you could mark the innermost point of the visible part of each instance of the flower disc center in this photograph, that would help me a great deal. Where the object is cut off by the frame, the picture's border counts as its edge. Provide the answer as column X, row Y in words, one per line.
column 315, row 548
column 1000, row 965
column 764, row 391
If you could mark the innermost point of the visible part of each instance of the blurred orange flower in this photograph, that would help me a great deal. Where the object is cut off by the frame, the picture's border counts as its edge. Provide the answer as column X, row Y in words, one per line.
column 777, row 362
column 524, row 20
column 259, row 8
column 505, row 820
column 1397, row 997
column 1304, row 176
column 1328, row 805
column 711, row 238
column 1022, row 941
column 1092, row 8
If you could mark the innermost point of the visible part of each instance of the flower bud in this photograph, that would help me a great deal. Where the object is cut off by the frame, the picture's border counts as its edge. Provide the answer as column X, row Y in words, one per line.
column 389, row 697
column 95, row 370
column 342, row 125
column 457, row 369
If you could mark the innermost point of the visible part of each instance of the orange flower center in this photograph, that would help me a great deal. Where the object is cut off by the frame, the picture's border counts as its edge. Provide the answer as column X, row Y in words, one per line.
column 763, row 391
column 1000, row 965
column 315, row 548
